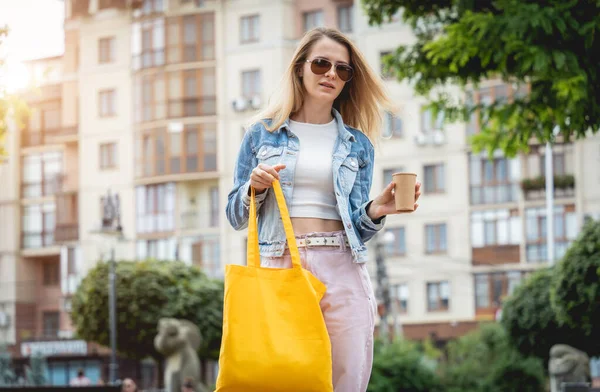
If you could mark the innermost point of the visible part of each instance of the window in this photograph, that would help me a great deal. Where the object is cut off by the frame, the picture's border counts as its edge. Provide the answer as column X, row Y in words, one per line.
column 214, row 206
column 251, row 84
column 38, row 223
column 150, row 7
column 155, row 205
column 493, row 181
column 429, row 123
column 42, row 174
column 492, row 288
column 313, row 19
column 385, row 73
column 344, row 15
column 189, row 38
column 398, row 246
column 191, row 150
column 206, row 256
column 436, row 238
column 400, row 297
column 565, row 231
column 175, row 94
column 434, row 178
column 438, row 296
column 107, row 50
column 486, row 96
column 495, row 227
column 249, row 29
column 50, row 324
column 558, row 164
column 392, row 126
column 51, row 274
column 148, row 43
column 387, row 174
column 108, row 156
column 160, row 249
column 107, row 105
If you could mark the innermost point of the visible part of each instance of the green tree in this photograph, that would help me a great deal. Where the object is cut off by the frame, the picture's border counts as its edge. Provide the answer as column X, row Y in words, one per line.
column 531, row 321
column 552, row 46
column 400, row 366
column 7, row 374
column 146, row 292
column 479, row 361
column 37, row 370
column 576, row 292
column 12, row 107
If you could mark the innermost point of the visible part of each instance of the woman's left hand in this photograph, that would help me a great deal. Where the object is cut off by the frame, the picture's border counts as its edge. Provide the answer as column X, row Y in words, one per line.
column 385, row 204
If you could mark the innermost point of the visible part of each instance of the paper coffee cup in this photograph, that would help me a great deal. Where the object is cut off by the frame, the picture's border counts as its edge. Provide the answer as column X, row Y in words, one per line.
column 404, row 191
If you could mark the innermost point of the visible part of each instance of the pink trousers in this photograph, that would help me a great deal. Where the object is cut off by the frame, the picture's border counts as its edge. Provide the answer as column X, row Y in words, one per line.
column 348, row 307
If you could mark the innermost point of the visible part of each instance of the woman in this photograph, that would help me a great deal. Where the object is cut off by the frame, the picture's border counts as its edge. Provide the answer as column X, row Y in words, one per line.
column 308, row 139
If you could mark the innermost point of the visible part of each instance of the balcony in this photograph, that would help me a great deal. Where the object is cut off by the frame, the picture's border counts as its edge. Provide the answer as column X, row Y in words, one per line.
column 192, row 107
column 195, row 220
column 535, row 188
column 493, row 193
column 48, row 136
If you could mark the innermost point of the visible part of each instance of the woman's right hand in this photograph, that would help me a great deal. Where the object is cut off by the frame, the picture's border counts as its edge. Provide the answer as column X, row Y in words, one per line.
column 263, row 175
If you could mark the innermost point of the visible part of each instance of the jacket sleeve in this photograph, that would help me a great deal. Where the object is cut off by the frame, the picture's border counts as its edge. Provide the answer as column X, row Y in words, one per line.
column 360, row 194
column 238, row 200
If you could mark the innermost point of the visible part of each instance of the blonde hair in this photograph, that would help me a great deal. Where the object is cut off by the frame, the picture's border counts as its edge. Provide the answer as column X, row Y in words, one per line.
column 360, row 102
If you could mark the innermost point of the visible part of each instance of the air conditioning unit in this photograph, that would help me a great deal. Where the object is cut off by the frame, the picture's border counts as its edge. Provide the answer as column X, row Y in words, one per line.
column 439, row 137
column 4, row 319
column 256, row 102
column 240, row 104
column 421, row 139
column 175, row 127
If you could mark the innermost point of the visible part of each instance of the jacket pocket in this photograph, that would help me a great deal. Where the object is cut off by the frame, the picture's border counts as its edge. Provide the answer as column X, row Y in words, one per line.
column 270, row 155
column 348, row 173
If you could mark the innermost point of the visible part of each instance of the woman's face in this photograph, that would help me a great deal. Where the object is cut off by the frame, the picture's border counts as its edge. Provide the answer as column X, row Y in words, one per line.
column 325, row 88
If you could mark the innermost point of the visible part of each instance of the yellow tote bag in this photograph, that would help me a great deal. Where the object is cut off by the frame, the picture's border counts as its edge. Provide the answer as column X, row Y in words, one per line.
column 274, row 334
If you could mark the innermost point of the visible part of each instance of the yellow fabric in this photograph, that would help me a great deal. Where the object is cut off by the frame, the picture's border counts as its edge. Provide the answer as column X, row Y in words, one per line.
column 274, row 334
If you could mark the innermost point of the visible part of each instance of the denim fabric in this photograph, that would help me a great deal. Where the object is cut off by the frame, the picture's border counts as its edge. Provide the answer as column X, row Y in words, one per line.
column 352, row 176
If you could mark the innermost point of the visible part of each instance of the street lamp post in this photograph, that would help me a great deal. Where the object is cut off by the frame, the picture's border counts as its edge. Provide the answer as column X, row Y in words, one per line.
column 111, row 226
column 383, row 284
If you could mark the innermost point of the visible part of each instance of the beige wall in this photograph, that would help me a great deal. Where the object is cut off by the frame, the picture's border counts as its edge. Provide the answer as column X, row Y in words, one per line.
column 95, row 130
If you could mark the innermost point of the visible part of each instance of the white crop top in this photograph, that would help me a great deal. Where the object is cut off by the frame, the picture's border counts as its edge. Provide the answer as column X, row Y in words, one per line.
column 314, row 196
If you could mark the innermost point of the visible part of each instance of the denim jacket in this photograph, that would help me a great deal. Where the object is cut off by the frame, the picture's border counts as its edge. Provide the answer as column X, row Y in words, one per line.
column 352, row 176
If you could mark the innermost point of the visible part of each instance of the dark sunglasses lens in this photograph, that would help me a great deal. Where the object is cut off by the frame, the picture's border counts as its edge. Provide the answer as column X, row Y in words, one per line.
column 344, row 72
column 320, row 66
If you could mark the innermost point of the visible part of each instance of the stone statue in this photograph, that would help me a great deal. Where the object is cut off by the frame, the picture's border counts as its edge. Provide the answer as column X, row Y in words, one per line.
column 178, row 340
column 567, row 364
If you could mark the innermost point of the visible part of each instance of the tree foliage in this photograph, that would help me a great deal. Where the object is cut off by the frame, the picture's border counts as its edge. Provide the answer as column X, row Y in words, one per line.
column 551, row 46
column 530, row 320
column 37, row 370
column 12, row 107
column 400, row 366
column 484, row 360
column 146, row 292
column 7, row 374
column 576, row 292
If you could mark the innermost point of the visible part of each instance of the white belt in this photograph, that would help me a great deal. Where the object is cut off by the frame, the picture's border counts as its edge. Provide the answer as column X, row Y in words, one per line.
column 320, row 241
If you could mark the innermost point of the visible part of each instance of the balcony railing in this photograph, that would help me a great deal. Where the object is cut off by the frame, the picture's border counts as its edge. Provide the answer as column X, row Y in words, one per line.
column 66, row 232
column 35, row 240
column 192, row 107
column 535, row 188
column 190, row 220
column 34, row 138
column 493, row 194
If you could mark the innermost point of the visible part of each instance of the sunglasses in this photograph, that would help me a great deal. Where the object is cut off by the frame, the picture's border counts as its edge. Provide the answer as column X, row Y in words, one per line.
column 320, row 66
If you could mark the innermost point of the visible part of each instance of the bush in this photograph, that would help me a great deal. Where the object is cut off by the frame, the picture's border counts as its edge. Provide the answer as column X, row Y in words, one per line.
column 575, row 293
column 529, row 319
column 484, row 360
column 400, row 366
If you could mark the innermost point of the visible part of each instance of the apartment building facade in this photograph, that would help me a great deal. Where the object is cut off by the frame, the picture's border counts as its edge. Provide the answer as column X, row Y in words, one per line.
column 150, row 100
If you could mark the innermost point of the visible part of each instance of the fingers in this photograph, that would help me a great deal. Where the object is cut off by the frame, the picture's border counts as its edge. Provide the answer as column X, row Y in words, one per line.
column 262, row 176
